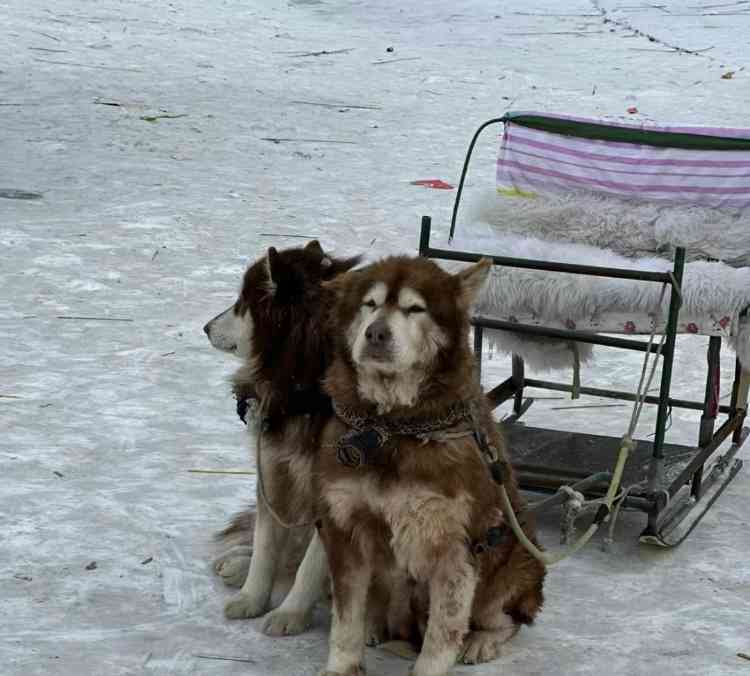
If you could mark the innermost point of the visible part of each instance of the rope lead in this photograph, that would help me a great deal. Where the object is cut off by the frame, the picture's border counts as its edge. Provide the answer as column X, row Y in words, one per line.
column 613, row 491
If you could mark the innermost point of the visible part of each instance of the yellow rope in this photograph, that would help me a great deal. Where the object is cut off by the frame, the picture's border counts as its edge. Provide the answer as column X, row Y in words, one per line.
column 551, row 559
column 612, row 494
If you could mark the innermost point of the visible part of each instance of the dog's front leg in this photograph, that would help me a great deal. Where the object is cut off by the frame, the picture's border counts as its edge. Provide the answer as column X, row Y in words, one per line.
column 351, row 573
column 268, row 542
column 294, row 614
column 452, row 586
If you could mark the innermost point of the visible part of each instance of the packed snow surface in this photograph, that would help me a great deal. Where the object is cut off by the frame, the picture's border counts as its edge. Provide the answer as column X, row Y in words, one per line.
column 143, row 128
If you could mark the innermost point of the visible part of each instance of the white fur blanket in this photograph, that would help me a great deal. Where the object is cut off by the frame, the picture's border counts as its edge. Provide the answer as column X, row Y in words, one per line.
column 632, row 227
column 708, row 289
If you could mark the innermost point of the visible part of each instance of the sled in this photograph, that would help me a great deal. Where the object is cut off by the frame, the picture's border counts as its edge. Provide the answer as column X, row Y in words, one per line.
column 705, row 171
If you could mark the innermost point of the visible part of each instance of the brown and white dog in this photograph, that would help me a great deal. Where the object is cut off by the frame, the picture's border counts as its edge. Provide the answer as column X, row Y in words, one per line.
column 419, row 506
column 277, row 327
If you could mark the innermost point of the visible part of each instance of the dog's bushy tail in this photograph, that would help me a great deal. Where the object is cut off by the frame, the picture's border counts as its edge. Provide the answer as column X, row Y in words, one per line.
column 239, row 531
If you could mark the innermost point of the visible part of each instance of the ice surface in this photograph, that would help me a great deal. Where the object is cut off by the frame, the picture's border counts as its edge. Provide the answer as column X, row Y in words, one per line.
column 153, row 221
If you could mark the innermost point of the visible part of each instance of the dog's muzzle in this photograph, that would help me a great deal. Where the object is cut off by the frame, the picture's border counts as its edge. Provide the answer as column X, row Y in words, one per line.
column 379, row 341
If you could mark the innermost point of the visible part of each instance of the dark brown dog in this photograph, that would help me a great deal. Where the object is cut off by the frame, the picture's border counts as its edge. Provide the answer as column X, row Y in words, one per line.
column 404, row 486
column 277, row 327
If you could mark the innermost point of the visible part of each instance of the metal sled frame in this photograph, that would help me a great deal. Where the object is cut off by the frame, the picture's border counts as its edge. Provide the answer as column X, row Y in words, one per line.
column 674, row 485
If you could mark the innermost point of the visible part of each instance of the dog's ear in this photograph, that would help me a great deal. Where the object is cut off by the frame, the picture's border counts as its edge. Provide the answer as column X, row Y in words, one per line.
column 314, row 247
column 273, row 265
column 471, row 280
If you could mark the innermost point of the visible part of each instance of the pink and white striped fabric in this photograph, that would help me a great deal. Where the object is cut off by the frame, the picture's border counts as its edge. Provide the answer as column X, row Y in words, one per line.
column 536, row 161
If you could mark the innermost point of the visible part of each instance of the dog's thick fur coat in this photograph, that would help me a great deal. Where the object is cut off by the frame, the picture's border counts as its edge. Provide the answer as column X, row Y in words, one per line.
column 401, row 327
column 278, row 327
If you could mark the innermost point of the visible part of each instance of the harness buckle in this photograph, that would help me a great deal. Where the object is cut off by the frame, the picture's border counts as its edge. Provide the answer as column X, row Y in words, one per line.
column 356, row 448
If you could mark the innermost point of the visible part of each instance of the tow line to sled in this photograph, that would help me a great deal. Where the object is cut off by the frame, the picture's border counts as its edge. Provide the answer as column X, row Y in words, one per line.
column 614, row 494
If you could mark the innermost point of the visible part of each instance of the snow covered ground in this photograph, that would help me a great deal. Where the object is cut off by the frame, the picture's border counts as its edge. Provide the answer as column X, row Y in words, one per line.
column 150, row 220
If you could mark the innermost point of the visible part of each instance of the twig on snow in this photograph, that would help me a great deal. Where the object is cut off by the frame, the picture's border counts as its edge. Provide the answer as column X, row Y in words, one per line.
column 95, row 319
column 580, row 33
column 285, row 234
column 221, row 471
column 248, row 660
column 670, row 50
column 274, row 139
column 162, row 116
column 406, row 58
column 88, row 65
column 553, row 15
column 47, row 49
column 336, row 105
column 322, row 52
column 12, row 194
column 47, row 35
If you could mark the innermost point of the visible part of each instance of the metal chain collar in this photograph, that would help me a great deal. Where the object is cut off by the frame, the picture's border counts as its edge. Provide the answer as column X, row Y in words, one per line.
column 370, row 434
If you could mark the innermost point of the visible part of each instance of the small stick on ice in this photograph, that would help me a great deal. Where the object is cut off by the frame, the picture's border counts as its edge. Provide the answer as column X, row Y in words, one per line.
column 285, row 234
column 336, row 105
column 323, row 52
column 95, row 319
column 221, row 471
column 406, row 58
column 248, row 660
column 89, row 65
column 274, row 139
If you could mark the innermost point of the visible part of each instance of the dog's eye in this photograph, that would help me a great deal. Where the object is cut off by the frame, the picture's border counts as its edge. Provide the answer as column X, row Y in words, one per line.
column 415, row 309
column 369, row 303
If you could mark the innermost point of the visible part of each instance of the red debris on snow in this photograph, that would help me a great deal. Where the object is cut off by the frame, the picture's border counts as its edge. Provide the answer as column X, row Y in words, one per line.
column 435, row 183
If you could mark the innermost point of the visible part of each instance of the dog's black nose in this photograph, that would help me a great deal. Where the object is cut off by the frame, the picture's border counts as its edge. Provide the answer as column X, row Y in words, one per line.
column 378, row 333
column 207, row 329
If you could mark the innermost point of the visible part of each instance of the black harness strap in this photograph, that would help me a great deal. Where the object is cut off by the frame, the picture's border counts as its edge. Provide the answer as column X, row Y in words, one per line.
column 302, row 401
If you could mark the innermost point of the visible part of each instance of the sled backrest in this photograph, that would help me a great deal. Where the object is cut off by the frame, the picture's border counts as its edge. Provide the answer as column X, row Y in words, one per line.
column 686, row 165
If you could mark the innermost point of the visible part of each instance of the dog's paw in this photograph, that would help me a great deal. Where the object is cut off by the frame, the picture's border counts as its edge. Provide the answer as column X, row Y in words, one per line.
column 376, row 632
column 242, row 606
column 484, row 646
column 232, row 566
column 285, row 623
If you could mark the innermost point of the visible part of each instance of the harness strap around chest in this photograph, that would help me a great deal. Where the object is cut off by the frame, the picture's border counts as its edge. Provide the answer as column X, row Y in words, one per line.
column 368, row 438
